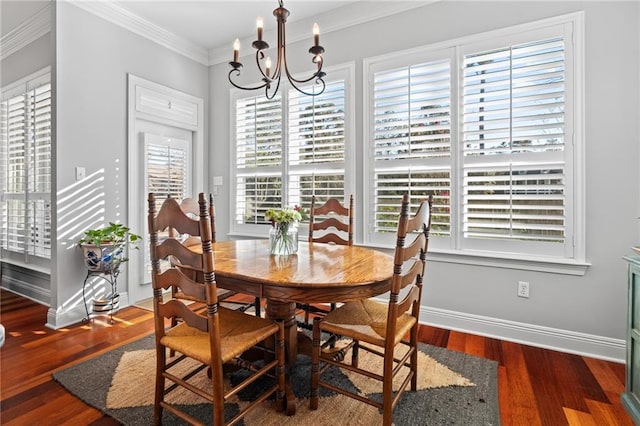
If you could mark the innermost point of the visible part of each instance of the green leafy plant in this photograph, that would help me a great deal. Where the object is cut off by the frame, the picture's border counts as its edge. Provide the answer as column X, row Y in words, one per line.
column 104, row 248
column 280, row 216
column 115, row 234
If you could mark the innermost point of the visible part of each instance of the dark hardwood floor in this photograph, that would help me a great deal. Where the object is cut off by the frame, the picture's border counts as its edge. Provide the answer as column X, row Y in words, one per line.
column 536, row 386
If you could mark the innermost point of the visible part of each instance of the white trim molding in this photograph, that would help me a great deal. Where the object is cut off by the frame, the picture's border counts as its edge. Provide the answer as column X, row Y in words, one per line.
column 29, row 31
column 118, row 15
column 347, row 16
column 76, row 313
column 568, row 341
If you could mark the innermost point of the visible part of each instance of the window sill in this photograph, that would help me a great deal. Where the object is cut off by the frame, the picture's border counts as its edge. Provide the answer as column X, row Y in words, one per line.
column 510, row 261
column 507, row 261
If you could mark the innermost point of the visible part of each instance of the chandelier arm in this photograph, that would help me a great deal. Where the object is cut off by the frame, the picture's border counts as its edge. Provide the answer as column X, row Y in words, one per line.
column 240, row 87
column 318, row 81
column 317, row 76
column 275, row 91
column 259, row 56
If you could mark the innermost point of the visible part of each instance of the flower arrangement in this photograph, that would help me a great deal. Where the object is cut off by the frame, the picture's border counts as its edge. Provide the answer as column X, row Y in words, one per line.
column 282, row 216
column 283, row 235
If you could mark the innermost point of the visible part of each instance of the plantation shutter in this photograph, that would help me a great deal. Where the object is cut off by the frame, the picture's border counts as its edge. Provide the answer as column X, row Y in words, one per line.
column 411, row 133
column 259, row 151
column 316, row 145
column 514, row 169
column 168, row 167
column 26, row 169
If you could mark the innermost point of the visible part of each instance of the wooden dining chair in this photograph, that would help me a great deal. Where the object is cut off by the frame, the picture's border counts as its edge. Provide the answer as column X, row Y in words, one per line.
column 380, row 327
column 190, row 207
column 217, row 337
column 330, row 223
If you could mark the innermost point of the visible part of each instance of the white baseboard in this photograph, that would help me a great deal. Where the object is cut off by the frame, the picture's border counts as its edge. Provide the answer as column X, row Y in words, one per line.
column 27, row 290
column 529, row 334
column 59, row 318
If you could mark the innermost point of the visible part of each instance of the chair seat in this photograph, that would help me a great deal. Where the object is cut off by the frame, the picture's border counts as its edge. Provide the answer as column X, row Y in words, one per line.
column 238, row 332
column 365, row 320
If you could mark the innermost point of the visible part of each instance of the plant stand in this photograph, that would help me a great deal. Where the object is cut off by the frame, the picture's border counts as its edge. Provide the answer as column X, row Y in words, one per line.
column 110, row 304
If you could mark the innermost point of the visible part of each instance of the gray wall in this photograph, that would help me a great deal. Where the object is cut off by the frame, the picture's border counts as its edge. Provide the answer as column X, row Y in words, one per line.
column 574, row 313
column 92, row 61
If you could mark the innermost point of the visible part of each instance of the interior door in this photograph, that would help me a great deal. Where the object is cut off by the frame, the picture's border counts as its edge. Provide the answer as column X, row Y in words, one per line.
column 166, row 169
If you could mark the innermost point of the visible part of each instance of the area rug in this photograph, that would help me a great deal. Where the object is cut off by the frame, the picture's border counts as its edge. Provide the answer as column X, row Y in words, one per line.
column 454, row 389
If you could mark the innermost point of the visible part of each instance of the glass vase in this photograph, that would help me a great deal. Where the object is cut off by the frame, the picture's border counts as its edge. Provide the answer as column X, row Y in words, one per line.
column 283, row 239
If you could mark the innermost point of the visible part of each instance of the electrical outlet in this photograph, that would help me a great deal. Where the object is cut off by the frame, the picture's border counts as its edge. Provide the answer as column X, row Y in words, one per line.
column 523, row 289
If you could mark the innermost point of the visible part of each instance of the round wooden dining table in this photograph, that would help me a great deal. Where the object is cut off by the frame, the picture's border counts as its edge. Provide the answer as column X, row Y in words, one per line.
column 316, row 273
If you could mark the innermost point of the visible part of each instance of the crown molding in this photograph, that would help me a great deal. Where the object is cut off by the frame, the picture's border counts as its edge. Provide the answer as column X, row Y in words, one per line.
column 29, row 31
column 353, row 14
column 134, row 23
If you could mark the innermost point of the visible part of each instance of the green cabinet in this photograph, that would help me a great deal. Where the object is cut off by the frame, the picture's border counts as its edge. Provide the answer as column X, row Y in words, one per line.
column 631, row 396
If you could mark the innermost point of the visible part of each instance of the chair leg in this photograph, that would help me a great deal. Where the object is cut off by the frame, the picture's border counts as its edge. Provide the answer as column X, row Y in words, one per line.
column 315, row 364
column 306, row 309
column 174, row 322
column 414, row 357
column 355, row 349
column 280, row 367
column 387, row 391
column 257, row 305
column 161, row 359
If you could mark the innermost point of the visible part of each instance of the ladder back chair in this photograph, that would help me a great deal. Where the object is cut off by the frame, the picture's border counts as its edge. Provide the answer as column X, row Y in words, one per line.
column 380, row 327
column 190, row 207
column 213, row 338
column 334, row 227
column 337, row 223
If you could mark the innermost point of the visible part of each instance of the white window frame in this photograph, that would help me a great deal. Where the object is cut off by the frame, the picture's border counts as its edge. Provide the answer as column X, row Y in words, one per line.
column 344, row 72
column 452, row 249
column 150, row 102
column 24, row 258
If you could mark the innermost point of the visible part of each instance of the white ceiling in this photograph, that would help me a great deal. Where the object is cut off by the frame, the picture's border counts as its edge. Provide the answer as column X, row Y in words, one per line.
column 212, row 24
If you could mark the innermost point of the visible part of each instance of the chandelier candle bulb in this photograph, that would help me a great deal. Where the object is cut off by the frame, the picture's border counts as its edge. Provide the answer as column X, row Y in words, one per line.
column 316, row 34
column 267, row 65
column 236, row 50
column 260, row 26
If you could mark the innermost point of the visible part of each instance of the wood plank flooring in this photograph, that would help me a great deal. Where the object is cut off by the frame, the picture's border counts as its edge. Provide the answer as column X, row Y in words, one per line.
column 536, row 386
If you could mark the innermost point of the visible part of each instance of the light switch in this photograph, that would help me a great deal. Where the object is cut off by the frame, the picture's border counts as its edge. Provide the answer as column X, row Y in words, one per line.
column 217, row 181
column 81, row 173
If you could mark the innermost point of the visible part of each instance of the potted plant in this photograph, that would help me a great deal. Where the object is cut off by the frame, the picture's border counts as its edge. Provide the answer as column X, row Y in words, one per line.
column 104, row 249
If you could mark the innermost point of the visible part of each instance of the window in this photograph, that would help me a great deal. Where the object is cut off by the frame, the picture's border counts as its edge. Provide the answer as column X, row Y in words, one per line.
column 277, row 168
column 25, row 165
column 411, row 144
column 485, row 125
column 168, row 167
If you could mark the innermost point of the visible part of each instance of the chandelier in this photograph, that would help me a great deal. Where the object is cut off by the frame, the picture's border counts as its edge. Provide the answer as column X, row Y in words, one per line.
column 271, row 76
